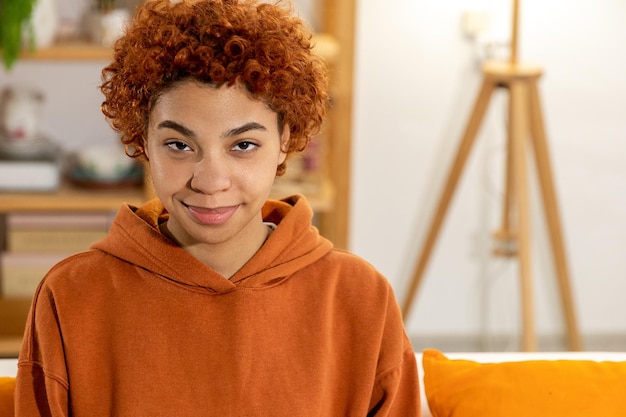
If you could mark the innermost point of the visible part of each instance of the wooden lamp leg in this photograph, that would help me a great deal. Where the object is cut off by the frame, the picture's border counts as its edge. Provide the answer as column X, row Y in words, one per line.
column 519, row 131
column 463, row 151
column 550, row 205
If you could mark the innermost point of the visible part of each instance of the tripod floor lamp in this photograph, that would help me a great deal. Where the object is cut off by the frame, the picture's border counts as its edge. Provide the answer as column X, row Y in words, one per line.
column 525, row 135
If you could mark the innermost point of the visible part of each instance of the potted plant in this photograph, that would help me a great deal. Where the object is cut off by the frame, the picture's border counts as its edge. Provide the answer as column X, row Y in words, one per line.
column 14, row 15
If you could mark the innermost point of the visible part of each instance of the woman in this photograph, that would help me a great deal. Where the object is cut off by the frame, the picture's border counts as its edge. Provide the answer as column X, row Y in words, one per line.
column 210, row 300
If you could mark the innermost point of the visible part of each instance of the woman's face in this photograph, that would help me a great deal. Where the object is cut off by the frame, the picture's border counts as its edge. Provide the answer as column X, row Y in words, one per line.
column 212, row 154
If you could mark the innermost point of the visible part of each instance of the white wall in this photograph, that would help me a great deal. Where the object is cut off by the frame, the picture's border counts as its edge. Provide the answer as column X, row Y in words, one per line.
column 416, row 79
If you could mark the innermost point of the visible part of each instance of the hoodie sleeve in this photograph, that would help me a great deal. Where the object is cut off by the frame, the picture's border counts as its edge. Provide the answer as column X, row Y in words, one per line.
column 41, row 383
column 396, row 392
column 38, row 394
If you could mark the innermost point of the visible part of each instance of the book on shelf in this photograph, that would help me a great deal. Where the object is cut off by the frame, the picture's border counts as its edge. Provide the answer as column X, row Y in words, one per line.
column 56, row 220
column 29, row 175
column 51, row 241
column 54, row 232
column 21, row 273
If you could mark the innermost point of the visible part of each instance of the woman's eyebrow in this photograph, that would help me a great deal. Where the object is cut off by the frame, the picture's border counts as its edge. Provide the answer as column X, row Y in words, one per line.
column 244, row 128
column 170, row 124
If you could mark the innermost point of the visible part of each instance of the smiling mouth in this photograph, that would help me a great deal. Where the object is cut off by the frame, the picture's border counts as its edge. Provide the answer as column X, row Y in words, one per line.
column 212, row 216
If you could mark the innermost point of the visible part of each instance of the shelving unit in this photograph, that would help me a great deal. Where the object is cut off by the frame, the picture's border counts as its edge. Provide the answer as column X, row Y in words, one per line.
column 327, row 190
column 339, row 24
column 13, row 311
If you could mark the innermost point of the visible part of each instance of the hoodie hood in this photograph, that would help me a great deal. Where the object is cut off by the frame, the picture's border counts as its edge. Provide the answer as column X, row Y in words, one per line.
column 134, row 237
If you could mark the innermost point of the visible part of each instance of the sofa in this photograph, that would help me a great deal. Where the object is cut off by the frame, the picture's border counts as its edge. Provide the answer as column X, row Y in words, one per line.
column 8, row 369
column 522, row 384
column 492, row 384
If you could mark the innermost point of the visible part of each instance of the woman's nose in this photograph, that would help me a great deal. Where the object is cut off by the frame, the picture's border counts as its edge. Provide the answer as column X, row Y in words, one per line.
column 211, row 175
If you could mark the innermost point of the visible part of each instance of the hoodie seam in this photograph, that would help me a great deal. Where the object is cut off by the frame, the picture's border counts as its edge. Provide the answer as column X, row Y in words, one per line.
column 171, row 271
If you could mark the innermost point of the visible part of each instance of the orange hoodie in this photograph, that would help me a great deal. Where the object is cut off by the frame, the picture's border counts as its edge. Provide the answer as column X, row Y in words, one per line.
column 136, row 326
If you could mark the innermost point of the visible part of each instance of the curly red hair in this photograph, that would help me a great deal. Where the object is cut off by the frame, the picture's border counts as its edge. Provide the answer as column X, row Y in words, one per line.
column 260, row 45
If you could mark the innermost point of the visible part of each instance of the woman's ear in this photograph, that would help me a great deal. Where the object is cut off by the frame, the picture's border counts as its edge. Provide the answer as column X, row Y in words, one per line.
column 144, row 145
column 285, row 137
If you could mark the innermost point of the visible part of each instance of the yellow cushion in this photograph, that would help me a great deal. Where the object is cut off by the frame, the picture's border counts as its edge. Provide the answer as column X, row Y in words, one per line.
column 537, row 388
column 7, row 390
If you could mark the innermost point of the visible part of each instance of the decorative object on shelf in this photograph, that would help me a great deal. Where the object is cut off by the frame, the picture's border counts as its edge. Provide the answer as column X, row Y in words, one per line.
column 105, row 21
column 44, row 24
column 29, row 161
column 21, row 109
column 34, row 175
column 104, row 166
column 14, row 14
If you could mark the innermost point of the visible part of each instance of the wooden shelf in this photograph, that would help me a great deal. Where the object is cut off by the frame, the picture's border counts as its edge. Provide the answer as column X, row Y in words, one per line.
column 71, row 198
column 82, row 50
column 70, row 51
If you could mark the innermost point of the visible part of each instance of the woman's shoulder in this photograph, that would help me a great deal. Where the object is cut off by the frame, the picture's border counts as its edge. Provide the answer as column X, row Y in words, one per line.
column 353, row 269
column 77, row 268
column 349, row 259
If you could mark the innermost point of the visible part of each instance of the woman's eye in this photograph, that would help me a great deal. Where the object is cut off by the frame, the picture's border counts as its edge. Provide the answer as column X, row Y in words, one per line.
column 245, row 146
column 178, row 146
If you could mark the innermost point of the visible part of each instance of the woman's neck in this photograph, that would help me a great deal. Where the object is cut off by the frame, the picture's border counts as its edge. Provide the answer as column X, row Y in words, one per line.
column 228, row 257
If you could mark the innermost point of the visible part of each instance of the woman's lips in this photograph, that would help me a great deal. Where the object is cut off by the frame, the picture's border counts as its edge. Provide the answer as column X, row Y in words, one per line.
column 212, row 216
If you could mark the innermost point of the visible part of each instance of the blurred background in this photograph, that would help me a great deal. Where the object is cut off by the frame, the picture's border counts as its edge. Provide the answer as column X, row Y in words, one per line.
column 405, row 77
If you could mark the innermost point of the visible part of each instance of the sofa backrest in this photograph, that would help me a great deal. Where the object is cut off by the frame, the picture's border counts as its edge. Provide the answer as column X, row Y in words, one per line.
column 499, row 357
column 8, row 370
